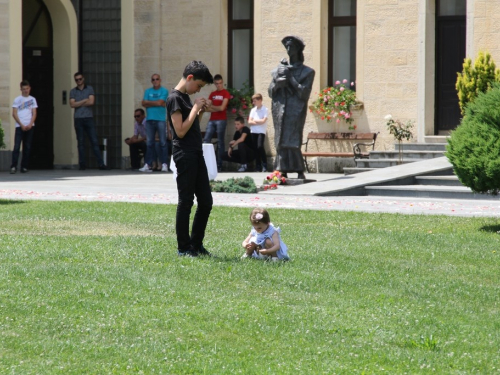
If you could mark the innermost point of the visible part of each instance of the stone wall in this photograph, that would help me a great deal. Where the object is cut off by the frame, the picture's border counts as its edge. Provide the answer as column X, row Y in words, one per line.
column 485, row 15
column 389, row 63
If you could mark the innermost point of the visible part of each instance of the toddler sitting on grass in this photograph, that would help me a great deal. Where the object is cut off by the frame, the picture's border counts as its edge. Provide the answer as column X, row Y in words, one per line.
column 264, row 240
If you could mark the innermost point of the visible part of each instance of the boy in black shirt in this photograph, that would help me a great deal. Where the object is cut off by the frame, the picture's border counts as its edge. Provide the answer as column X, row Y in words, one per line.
column 187, row 152
column 243, row 140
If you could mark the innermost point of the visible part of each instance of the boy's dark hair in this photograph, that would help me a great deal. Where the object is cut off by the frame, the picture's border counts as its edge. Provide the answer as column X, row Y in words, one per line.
column 199, row 71
column 140, row 110
column 260, row 215
column 217, row 77
column 24, row 83
column 240, row 119
column 77, row 74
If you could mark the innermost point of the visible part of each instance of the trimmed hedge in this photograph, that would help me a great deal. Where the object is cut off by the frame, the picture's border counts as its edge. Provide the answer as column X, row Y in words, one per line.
column 244, row 185
column 474, row 147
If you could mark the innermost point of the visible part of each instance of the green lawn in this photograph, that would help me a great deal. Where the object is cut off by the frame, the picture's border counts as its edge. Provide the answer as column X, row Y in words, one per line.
column 97, row 288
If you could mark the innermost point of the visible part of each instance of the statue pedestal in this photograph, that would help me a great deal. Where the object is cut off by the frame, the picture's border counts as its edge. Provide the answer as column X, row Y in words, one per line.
column 298, row 181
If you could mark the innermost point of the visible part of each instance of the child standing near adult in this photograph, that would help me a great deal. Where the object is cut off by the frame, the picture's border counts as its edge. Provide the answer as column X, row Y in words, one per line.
column 24, row 113
column 187, row 153
column 264, row 240
column 258, row 126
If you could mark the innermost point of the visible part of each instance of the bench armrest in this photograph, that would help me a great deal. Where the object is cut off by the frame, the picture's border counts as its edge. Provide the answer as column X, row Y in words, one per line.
column 356, row 149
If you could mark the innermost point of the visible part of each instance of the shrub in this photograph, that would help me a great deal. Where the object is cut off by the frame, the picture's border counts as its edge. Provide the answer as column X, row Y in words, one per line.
column 475, row 79
column 474, row 147
column 244, row 185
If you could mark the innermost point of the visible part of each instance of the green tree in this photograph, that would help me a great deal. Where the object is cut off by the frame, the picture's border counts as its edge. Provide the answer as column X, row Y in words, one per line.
column 474, row 147
column 475, row 79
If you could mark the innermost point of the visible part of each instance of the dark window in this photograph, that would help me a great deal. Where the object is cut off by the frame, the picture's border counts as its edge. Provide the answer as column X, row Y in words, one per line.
column 240, row 43
column 341, row 41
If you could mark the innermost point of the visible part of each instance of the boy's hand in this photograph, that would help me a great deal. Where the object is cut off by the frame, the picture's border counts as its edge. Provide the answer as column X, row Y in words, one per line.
column 199, row 103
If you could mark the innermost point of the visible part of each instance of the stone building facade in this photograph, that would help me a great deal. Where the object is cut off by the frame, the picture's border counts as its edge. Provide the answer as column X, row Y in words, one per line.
column 401, row 51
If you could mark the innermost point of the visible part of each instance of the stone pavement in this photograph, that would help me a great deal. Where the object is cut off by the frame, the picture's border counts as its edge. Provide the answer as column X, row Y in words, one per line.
column 160, row 188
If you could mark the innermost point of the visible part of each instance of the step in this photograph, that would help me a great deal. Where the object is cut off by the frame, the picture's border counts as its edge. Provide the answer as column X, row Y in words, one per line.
column 419, row 191
column 438, row 180
column 381, row 163
column 353, row 170
column 422, row 146
column 406, row 154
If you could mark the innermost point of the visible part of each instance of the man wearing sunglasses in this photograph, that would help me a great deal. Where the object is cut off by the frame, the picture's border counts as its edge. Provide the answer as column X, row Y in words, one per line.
column 137, row 142
column 82, row 98
column 154, row 101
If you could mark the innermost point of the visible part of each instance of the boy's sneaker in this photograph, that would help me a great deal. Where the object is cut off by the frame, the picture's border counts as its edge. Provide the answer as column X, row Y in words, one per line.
column 13, row 170
column 187, row 253
column 264, row 169
column 145, row 169
column 243, row 168
column 204, row 252
column 245, row 256
column 164, row 167
column 24, row 170
column 275, row 259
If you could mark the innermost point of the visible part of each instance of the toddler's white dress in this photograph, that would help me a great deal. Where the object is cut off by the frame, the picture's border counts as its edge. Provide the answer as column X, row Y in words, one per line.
column 260, row 239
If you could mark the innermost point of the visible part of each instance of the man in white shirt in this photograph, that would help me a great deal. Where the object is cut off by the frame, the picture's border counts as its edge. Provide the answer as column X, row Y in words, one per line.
column 24, row 113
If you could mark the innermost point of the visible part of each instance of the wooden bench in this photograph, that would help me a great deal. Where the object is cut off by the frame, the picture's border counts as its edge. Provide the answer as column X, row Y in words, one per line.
column 357, row 151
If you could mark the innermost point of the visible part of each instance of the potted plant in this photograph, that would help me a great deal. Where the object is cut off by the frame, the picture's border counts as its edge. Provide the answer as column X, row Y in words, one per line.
column 336, row 103
column 400, row 130
column 240, row 101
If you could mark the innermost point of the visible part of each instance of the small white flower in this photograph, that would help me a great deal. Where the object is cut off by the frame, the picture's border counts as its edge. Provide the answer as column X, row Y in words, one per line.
column 259, row 216
column 388, row 117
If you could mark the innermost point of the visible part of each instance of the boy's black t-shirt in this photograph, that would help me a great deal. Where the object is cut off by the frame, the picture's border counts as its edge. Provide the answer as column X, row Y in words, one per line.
column 192, row 142
column 248, row 139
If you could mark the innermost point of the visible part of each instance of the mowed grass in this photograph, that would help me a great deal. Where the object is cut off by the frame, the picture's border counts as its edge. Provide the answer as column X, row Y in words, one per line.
column 97, row 288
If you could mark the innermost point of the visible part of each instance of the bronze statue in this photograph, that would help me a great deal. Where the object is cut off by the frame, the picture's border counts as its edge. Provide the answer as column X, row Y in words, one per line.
column 290, row 90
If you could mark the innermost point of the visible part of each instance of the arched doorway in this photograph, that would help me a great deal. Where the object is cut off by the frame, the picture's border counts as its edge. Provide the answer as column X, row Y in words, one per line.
column 38, row 67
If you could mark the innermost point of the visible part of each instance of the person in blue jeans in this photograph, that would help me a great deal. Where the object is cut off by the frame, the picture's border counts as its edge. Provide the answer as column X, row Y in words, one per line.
column 187, row 152
column 82, row 99
column 154, row 101
column 218, row 118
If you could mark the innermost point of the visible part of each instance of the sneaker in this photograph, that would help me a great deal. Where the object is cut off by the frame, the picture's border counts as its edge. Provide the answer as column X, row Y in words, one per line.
column 245, row 256
column 219, row 169
column 243, row 168
column 145, row 169
column 275, row 259
column 187, row 253
column 82, row 168
column 24, row 170
column 204, row 252
column 264, row 169
column 13, row 170
column 164, row 167
column 104, row 167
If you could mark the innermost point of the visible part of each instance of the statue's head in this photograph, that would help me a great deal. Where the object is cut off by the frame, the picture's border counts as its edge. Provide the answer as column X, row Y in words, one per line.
column 292, row 42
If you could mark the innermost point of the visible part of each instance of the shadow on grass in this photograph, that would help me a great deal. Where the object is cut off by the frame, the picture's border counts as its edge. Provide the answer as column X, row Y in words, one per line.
column 491, row 228
column 6, row 202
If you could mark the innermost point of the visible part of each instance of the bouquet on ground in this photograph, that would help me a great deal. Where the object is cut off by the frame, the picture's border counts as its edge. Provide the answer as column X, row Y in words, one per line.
column 274, row 179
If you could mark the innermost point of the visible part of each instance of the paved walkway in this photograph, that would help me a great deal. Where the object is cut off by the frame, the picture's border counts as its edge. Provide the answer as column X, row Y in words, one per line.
column 160, row 188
